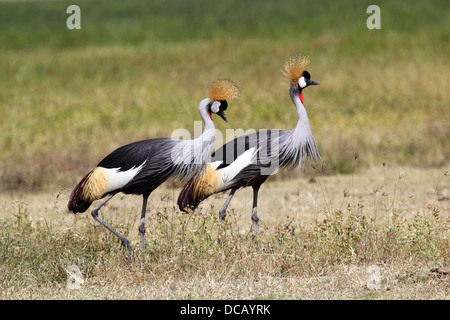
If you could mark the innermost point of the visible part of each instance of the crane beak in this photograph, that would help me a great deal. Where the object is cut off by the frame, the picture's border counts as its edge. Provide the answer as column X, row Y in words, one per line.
column 312, row 82
column 221, row 114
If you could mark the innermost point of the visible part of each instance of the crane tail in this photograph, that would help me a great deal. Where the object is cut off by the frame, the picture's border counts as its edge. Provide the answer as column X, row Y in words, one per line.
column 93, row 186
column 76, row 201
column 210, row 180
column 200, row 186
column 187, row 199
column 80, row 206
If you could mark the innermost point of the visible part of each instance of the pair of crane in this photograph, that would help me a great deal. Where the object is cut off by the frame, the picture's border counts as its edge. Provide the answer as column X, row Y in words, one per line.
column 247, row 161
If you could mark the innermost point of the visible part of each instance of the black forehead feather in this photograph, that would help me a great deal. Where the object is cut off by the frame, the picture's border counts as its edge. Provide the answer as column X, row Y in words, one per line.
column 306, row 75
column 224, row 104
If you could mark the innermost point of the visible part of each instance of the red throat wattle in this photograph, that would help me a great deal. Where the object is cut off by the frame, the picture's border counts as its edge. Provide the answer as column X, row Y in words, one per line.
column 300, row 95
column 211, row 115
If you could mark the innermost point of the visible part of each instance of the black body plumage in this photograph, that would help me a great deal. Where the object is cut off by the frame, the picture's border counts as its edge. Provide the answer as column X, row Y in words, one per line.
column 155, row 157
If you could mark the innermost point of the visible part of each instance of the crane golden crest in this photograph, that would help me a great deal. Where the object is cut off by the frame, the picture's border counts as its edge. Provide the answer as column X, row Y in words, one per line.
column 223, row 89
column 294, row 68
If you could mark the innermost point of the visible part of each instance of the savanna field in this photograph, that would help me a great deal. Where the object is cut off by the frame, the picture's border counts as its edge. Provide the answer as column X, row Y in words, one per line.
column 138, row 70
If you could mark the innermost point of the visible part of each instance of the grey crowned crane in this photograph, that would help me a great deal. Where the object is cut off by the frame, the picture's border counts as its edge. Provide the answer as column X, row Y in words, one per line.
column 275, row 149
column 140, row 167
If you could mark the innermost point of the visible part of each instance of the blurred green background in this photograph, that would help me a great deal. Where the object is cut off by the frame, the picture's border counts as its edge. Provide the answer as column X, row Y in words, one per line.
column 138, row 69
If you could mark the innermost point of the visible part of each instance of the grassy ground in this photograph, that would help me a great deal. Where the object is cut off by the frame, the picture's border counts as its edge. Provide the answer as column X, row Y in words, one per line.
column 139, row 69
column 317, row 240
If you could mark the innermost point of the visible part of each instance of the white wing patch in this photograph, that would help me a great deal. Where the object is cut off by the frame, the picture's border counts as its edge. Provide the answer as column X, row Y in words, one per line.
column 228, row 173
column 118, row 179
column 215, row 164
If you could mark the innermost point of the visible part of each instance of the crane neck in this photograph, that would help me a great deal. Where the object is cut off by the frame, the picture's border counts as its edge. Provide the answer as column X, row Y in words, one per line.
column 298, row 145
column 205, row 115
column 300, row 96
column 187, row 155
column 205, row 142
column 297, row 99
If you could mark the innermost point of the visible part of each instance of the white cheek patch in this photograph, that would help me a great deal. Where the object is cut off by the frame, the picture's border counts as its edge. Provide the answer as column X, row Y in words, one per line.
column 215, row 106
column 302, row 82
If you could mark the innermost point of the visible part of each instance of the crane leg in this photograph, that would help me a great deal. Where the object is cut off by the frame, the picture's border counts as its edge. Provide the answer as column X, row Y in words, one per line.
column 124, row 241
column 223, row 211
column 255, row 218
column 142, row 223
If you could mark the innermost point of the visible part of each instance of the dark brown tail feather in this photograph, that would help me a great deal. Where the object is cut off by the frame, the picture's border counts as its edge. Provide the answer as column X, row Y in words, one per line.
column 188, row 200
column 76, row 203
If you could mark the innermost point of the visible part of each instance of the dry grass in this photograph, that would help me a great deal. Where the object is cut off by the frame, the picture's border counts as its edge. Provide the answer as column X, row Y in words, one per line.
column 341, row 282
column 317, row 240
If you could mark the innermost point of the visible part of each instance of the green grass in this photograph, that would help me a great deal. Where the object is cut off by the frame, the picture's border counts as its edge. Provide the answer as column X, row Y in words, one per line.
column 32, row 25
column 138, row 70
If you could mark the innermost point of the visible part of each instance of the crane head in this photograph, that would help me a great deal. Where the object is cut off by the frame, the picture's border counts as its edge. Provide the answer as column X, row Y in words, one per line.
column 218, row 107
column 220, row 91
column 305, row 80
column 295, row 72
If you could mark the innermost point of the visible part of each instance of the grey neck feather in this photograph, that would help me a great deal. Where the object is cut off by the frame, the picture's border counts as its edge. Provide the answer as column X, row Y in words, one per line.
column 297, row 146
column 188, row 155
